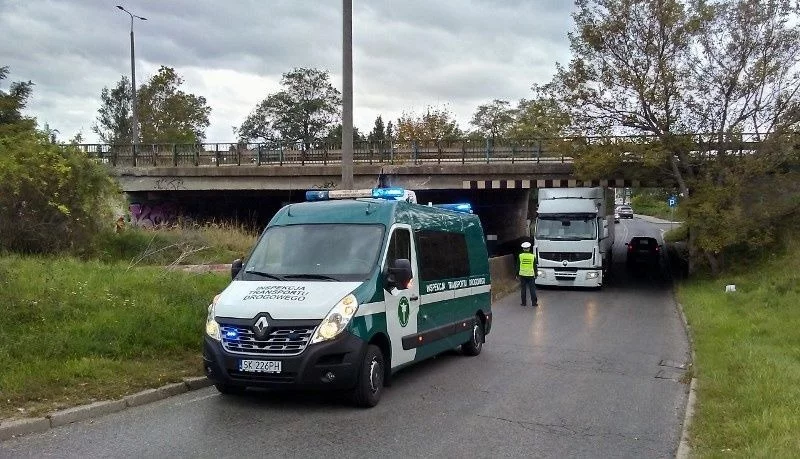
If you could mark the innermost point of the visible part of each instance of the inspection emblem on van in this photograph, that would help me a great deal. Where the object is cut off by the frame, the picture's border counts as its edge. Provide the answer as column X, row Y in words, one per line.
column 347, row 288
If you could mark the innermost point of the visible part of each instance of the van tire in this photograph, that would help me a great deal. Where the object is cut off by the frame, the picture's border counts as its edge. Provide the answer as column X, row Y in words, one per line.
column 369, row 386
column 228, row 389
column 475, row 344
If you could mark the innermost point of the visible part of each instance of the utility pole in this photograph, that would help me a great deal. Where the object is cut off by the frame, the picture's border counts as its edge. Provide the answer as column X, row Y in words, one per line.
column 347, row 95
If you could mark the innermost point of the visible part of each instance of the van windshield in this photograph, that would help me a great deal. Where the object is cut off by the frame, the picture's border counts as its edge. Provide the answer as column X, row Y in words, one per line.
column 566, row 228
column 326, row 252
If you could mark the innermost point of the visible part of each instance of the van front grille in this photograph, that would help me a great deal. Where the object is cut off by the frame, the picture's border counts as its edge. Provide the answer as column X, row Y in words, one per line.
column 279, row 342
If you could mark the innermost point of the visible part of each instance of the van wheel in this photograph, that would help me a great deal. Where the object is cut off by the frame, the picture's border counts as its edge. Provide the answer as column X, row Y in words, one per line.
column 369, row 387
column 475, row 343
column 228, row 389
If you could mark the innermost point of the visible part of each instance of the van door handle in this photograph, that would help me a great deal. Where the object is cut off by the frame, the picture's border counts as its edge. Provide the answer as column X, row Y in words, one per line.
column 414, row 298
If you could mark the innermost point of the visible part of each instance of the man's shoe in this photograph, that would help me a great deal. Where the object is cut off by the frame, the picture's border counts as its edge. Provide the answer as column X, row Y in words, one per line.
column 523, row 305
column 535, row 305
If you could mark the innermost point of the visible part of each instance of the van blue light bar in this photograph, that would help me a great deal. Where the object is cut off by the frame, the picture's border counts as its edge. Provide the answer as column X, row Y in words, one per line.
column 393, row 194
column 388, row 193
column 462, row 207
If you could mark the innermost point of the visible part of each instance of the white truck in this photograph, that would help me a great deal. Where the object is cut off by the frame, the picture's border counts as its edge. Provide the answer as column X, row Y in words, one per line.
column 574, row 236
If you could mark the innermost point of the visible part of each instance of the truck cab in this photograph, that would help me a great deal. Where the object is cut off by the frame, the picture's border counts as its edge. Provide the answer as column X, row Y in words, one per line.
column 573, row 237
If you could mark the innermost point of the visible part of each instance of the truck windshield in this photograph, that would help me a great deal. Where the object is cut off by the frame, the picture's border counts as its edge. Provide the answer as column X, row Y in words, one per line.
column 566, row 228
column 327, row 252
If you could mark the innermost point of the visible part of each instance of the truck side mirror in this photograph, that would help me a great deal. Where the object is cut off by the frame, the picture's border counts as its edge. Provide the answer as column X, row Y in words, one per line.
column 236, row 266
column 399, row 274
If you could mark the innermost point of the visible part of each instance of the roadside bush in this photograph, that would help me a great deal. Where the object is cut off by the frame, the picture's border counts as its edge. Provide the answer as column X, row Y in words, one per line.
column 52, row 198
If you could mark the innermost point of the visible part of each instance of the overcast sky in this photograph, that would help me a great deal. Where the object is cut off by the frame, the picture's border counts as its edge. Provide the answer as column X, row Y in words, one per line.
column 408, row 54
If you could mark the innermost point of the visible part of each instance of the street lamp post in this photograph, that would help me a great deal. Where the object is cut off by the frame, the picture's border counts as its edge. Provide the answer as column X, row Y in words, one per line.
column 347, row 94
column 135, row 127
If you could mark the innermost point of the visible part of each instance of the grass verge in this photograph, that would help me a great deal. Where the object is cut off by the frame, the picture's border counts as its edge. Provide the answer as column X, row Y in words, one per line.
column 73, row 332
column 747, row 360
column 210, row 244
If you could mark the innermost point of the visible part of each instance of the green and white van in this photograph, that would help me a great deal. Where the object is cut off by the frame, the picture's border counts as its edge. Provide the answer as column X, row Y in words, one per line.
column 342, row 293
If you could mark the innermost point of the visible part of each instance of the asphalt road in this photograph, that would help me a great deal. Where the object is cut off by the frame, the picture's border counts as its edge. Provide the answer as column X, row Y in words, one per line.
column 587, row 374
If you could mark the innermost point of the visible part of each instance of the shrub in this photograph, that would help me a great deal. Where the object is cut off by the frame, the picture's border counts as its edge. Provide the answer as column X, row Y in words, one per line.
column 52, row 198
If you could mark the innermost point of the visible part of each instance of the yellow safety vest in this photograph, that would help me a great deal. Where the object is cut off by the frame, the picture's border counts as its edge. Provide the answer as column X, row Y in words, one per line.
column 526, row 260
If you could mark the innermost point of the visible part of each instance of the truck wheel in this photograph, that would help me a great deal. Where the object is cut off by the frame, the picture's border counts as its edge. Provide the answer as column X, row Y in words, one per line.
column 369, row 387
column 475, row 344
column 228, row 389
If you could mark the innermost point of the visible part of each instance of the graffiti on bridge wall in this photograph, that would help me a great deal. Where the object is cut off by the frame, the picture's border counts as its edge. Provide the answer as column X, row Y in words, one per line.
column 152, row 214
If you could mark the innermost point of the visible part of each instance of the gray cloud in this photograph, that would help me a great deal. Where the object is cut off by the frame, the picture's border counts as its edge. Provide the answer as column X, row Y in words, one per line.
column 407, row 54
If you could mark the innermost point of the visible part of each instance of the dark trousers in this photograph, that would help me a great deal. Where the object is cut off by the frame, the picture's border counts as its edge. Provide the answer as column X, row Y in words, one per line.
column 529, row 284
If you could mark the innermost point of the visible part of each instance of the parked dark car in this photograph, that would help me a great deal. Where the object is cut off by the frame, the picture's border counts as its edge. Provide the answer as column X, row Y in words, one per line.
column 644, row 253
column 625, row 211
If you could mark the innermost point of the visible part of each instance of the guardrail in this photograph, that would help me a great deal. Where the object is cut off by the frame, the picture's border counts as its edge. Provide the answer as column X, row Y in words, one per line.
column 464, row 151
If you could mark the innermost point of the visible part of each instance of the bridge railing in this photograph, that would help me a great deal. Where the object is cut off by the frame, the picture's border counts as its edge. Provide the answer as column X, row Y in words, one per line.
column 294, row 153
column 413, row 152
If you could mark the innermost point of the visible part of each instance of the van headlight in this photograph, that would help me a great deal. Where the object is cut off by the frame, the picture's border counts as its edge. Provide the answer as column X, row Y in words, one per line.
column 336, row 320
column 212, row 327
column 592, row 275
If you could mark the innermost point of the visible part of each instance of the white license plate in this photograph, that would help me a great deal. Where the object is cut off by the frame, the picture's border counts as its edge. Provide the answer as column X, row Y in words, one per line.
column 260, row 366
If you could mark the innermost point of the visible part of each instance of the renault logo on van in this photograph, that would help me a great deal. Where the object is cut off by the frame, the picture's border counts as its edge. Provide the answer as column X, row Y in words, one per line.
column 260, row 327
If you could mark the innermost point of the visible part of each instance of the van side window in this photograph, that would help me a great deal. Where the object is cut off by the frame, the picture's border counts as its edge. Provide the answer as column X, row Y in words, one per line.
column 399, row 246
column 442, row 255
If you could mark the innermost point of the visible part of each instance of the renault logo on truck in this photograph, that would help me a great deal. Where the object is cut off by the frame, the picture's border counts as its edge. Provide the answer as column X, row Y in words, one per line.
column 261, row 327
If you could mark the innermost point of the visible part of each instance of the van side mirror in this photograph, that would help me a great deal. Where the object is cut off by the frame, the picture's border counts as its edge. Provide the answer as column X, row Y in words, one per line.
column 236, row 266
column 399, row 273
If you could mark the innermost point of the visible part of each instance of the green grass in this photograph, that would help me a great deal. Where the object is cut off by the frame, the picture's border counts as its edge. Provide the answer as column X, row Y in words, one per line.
column 73, row 331
column 747, row 345
column 210, row 244
column 654, row 206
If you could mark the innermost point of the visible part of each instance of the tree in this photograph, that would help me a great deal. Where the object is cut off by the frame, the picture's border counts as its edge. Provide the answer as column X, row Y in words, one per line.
column 390, row 130
column 114, row 118
column 52, row 197
column 11, row 105
column 169, row 115
column 666, row 68
column 304, row 110
column 541, row 117
column 434, row 124
column 334, row 136
column 378, row 133
column 493, row 119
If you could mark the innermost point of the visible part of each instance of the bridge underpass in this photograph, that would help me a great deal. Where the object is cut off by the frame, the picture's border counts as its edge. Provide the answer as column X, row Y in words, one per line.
column 226, row 184
column 503, row 212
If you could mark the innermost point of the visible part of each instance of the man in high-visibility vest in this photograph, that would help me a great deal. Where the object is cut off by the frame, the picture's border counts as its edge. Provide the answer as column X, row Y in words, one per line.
column 526, row 263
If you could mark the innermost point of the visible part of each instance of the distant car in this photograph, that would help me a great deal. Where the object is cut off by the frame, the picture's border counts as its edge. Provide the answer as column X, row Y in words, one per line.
column 643, row 253
column 625, row 211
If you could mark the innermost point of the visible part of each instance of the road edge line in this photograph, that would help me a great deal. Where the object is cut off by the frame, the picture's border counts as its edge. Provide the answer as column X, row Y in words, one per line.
column 16, row 428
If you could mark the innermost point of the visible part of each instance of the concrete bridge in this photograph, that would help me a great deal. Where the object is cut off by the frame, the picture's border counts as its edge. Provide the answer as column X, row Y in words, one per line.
column 252, row 181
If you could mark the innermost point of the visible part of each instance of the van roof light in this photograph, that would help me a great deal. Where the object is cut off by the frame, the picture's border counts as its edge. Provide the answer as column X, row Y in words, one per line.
column 392, row 194
column 464, row 207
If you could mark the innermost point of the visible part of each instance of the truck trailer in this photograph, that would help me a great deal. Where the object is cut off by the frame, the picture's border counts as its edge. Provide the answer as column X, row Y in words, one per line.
column 574, row 236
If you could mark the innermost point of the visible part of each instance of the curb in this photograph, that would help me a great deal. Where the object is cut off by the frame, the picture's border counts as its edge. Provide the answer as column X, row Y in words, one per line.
column 684, row 448
column 14, row 428
column 650, row 219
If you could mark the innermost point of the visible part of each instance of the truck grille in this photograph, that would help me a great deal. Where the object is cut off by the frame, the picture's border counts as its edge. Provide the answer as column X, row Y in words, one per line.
column 280, row 341
column 569, row 256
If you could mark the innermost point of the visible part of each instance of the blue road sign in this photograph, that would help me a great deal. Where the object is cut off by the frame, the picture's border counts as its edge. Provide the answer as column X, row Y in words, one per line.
column 672, row 201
